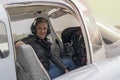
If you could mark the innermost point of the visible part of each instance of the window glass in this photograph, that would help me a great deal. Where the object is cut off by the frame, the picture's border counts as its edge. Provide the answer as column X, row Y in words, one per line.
column 95, row 36
column 3, row 41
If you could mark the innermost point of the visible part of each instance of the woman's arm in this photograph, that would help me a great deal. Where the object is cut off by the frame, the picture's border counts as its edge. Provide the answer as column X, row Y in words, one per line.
column 25, row 40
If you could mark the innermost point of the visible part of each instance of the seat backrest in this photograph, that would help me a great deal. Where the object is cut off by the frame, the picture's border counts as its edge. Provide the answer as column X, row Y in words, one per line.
column 29, row 66
column 66, row 34
column 73, row 36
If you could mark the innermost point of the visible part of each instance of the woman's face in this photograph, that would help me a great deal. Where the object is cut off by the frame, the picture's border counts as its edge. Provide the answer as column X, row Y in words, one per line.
column 41, row 30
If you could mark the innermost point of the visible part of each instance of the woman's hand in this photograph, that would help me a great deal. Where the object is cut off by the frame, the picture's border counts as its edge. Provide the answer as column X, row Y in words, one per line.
column 66, row 70
column 17, row 44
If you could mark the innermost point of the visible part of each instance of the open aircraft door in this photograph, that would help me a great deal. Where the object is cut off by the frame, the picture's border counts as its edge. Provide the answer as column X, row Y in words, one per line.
column 7, row 62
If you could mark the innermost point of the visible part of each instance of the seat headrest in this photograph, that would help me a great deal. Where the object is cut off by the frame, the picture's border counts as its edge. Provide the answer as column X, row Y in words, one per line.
column 67, row 33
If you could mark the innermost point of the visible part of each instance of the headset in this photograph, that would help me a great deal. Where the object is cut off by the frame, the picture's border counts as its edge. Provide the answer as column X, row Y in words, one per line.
column 39, row 19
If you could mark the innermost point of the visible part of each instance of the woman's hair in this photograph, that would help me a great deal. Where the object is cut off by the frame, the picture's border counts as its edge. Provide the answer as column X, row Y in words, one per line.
column 36, row 22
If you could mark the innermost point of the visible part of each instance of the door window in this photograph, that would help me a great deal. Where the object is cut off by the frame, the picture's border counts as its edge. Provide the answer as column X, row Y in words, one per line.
column 3, row 41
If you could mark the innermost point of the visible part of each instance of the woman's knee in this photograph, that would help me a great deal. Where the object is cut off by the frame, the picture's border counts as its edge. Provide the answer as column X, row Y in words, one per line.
column 54, row 71
column 69, row 63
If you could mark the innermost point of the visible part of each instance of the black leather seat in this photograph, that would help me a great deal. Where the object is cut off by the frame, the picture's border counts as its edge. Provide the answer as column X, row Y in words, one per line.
column 73, row 36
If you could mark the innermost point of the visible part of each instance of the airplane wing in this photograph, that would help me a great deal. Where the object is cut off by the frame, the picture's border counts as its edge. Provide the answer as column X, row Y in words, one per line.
column 109, row 32
column 111, row 37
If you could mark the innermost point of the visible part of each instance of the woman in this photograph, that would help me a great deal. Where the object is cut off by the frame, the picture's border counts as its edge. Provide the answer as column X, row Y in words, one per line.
column 41, row 45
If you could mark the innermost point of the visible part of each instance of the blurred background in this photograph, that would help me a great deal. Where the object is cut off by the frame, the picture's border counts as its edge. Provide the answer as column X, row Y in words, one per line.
column 107, row 10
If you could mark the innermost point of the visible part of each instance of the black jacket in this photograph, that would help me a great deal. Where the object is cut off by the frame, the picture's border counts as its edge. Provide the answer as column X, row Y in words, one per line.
column 43, row 51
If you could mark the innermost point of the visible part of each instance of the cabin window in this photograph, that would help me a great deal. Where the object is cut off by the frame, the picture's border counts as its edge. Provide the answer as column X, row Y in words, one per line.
column 94, row 34
column 3, row 41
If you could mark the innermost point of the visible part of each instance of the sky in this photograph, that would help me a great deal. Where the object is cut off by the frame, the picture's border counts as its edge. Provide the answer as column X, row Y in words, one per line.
column 107, row 10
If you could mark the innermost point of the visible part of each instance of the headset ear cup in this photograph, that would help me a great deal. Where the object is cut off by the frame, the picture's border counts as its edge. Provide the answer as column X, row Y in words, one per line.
column 33, row 29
